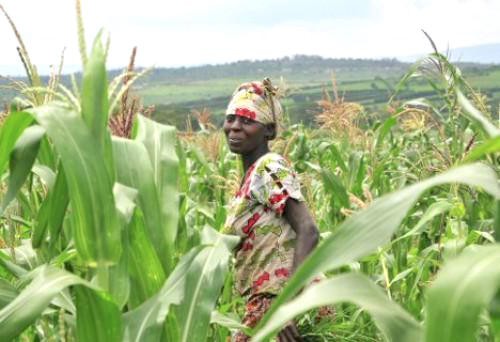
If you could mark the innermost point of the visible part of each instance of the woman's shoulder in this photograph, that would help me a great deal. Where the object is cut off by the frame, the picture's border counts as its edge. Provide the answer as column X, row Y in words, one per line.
column 273, row 165
column 274, row 181
column 272, row 160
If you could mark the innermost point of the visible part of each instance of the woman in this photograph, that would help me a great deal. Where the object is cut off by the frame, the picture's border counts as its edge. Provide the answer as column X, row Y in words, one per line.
column 268, row 211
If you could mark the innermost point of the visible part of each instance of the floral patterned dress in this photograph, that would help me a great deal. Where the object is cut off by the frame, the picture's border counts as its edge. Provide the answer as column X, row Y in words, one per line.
column 265, row 255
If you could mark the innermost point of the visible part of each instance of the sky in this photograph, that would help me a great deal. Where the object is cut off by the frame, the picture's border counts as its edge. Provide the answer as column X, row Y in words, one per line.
column 176, row 33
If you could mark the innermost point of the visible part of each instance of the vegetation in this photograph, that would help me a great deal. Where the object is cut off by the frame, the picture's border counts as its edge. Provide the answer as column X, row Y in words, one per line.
column 107, row 238
column 177, row 91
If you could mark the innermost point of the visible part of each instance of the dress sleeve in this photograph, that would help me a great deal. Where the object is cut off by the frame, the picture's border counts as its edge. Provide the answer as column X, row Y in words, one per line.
column 273, row 182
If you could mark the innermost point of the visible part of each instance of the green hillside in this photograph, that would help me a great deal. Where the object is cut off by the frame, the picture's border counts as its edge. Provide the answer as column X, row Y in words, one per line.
column 175, row 92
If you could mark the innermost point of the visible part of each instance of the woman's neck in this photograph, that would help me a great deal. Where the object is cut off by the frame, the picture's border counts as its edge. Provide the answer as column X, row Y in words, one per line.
column 249, row 159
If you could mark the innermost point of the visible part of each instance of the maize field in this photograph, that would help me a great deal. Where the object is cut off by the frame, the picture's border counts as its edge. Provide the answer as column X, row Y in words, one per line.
column 115, row 238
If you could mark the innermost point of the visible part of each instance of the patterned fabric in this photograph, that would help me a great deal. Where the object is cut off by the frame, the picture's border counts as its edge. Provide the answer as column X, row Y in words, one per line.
column 257, row 306
column 265, row 255
column 255, row 309
column 251, row 100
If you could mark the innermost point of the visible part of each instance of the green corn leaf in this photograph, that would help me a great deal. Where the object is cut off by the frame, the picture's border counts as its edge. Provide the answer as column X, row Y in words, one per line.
column 23, row 255
column 21, row 161
column 47, row 283
column 52, row 212
column 159, row 141
column 11, row 267
column 119, row 283
column 145, row 323
column 356, row 170
column 384, row 130
column 7, row 293
column 134, row 169
column 10, row 131
column 46, row 155
column 95, row 102
column 434, row 209
column 475, row 115
column 46, row 174
column 139, row 274
column 125, row 198
column 94, row 91
column 400, row 276
column 394, row 322
column 333, row 185
column 373, row 227
column 145, row 268
column 58, row 202
column 463, row 288
column 489, row 146
column 232, row 323
column 96, row 229
column 496, row 221
column 204, row 281
column 494, row 311
column 337, row 156
column 98, row 319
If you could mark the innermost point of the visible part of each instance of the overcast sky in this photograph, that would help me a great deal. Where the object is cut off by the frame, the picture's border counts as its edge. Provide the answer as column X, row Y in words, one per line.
column 196, row 32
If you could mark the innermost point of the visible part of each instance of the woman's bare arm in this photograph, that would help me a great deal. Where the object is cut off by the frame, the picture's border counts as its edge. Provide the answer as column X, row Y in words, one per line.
column 297, row 214
column 302, row 223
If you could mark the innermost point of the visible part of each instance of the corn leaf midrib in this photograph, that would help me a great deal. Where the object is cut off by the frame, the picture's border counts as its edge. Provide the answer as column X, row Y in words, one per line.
column 187, row 326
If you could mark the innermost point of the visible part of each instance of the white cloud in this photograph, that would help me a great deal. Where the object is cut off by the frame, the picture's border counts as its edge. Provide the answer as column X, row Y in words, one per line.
column 193, row 32
column 454, row 22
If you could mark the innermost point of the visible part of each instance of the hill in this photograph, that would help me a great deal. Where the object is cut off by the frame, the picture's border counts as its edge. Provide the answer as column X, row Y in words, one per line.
column 177, row 91
column 184, row 84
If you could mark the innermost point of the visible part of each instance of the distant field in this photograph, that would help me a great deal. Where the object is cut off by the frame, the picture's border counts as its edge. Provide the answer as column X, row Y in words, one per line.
column 187, row 92
column 174, row 102
column 176, row 92
column 205, row 90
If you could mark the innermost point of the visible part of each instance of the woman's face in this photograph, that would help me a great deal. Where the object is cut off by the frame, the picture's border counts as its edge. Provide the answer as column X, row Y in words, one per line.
column 244, row 135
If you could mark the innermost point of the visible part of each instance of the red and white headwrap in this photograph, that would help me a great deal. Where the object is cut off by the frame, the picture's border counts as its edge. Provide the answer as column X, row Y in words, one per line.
column 257, row 101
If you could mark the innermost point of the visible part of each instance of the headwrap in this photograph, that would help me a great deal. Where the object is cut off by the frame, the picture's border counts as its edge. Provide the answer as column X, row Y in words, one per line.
column 257, row 101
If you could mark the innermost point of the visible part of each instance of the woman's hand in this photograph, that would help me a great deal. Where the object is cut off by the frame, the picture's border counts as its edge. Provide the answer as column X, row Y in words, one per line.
column 290, row 334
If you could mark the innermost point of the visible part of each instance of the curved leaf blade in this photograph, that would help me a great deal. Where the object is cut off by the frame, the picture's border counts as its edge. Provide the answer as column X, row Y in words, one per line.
column 11, row 129
column 145, row 323
column 462, row 289
column 22, row 159
column 96, row 229
column 48, row 282
column 434, row 210
column 134, row 169
column 228, row 322
column 475, row 115
column 361, row 234
column 204, row 281
column 159, row 141
column 395, row 323
column 98, row 318
column 145, row 270
column 52, row 212
column 7, row 293
column 491, row 145
column 45, row 173
column 95, row 102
